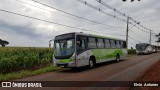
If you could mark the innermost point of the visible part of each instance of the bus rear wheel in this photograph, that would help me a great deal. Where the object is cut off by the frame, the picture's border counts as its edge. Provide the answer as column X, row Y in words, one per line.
column 91, row 63
column 117, row 58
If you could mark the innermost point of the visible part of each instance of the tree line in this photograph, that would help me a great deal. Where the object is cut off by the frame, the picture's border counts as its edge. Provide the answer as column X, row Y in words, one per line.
column 3, row 42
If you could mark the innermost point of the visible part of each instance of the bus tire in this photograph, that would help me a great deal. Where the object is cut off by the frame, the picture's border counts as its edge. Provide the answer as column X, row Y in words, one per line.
column 117, row 57
column 91, row 63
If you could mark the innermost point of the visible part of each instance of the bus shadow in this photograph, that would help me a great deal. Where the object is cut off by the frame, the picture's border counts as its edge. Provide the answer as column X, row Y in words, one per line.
column 86, row 68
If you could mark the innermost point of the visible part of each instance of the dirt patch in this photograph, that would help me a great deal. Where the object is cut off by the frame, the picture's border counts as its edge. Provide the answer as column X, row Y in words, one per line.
column 153, row 74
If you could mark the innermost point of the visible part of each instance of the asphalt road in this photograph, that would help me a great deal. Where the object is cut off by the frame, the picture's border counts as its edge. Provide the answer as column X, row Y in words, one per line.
column 130, row 69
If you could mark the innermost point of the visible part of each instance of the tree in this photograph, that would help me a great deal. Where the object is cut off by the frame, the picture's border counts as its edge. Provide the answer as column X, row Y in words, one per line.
column 3, row 43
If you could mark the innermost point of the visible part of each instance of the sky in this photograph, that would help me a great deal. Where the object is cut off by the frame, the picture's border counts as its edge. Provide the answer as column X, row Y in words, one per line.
column 25, row 32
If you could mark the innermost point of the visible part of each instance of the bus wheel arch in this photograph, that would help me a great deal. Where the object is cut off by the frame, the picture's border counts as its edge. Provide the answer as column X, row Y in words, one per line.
column 92, row 61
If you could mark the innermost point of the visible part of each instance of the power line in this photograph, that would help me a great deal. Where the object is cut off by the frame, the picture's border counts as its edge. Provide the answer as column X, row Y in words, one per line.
column 54, row 22
column 110, row 7
column 123, row 14
column 134, row 39
column 139, row 28
column 136, row 34
column 142, row 29
column 100, row 10
column 75, row 15
column 129, row 18
column 41, row 8
column 90, row 5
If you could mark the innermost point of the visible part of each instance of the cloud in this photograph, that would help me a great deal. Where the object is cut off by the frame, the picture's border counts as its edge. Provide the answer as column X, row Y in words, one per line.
column 23, row 30
column 31, row 32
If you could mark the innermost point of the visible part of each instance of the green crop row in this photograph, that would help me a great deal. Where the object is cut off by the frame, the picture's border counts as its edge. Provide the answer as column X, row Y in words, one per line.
column 17, row 59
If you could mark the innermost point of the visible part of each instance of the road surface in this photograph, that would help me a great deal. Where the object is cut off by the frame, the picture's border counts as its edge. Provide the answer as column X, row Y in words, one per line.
column 130, row 69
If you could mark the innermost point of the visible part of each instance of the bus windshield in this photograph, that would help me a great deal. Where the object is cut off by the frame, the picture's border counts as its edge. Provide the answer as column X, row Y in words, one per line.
column 64, row 48
column 141, row 46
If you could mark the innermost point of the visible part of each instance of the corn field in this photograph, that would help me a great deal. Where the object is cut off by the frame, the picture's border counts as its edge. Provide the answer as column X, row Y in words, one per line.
column 17, row 59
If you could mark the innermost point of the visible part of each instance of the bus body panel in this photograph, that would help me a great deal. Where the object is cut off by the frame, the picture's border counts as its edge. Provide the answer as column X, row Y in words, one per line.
column 83, row 58
column 102, row 55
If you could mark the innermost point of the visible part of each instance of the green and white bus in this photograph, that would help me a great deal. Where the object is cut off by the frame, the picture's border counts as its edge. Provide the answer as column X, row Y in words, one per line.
column 79, row 49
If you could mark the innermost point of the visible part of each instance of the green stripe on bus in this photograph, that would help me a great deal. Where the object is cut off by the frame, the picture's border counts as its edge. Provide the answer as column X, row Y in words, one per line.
column 106, row 53
column 65, row 60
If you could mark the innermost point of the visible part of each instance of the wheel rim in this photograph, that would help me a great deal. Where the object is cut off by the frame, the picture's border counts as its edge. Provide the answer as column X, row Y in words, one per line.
column 118, row 58
column 91, row 63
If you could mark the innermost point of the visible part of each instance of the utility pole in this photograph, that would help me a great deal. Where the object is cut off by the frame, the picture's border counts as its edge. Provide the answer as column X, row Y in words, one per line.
column 127, row 32
column 150, row 38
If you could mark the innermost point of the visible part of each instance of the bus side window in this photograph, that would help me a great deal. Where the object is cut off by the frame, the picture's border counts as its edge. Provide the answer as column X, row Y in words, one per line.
column 118, row 44
column 100, row 43
column 83, row 44
column 91, row 42
column 123, row 44
column 107, row 43
column 113, row 44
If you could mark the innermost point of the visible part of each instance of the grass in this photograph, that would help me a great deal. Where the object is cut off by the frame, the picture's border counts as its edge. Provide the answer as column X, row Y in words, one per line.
column 26, row 73
column 129, row 55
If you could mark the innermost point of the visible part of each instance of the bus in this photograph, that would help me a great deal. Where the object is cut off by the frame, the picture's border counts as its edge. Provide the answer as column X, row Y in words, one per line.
column 144, row 48
column 79, row 49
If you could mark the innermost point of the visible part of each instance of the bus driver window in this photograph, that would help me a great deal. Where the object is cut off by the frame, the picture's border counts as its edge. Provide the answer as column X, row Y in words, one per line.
column 80, row 45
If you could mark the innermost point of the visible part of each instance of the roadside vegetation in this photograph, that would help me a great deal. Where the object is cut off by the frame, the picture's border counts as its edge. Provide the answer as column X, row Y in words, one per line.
column 26, row 73
column 18, row 62
column 131, row 52
column 18, row 59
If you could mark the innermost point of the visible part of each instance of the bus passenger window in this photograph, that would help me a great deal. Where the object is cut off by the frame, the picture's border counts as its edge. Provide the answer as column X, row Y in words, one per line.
column 107, row 43
column 92, row 42
column 100, row 43
column 123, row 44
column 113, row 44
column 118, row 44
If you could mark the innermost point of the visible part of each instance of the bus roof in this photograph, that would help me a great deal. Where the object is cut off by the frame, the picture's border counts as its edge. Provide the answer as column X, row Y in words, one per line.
column 81, row 33
column 105, row 37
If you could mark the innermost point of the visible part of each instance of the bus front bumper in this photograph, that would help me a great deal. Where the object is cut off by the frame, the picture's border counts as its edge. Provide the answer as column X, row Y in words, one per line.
column 65, row 65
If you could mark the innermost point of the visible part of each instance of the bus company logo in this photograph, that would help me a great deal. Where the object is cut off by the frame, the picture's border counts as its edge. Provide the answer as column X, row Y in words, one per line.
column 6, row 84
